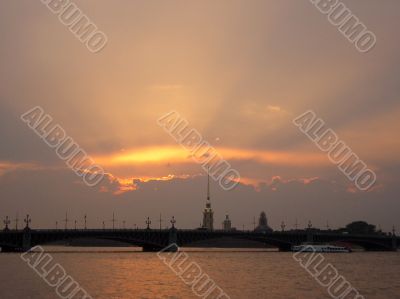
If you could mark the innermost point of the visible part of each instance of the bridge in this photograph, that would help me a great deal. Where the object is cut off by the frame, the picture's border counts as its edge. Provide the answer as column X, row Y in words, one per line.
column 155, row 239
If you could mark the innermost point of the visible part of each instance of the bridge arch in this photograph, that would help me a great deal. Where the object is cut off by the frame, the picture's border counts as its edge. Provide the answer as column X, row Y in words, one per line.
column 192, row 239
column 8, row 247
column 127, row 241
column 141, row 238
column 367, row 245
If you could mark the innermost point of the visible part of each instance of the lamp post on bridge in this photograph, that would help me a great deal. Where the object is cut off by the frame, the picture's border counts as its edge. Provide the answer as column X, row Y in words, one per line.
column 66, row 220
column 6, row 222
column 16, row 221
column 148, row 222
column 113, row 222
column 310, row 237
column 27, row 220
column 394, row 239
column 75, row 224
column 173, row 221
column 26, row 237
column 160, row 220
column 173, row 236
column 283, row 225
column 56, row 224
column 85, row 219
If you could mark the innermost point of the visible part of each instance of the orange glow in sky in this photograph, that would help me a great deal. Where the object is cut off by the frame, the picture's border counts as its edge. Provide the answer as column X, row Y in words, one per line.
column 168, row 154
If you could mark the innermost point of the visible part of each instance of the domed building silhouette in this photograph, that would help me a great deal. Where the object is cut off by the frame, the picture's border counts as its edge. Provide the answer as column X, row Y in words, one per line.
column 263, row 224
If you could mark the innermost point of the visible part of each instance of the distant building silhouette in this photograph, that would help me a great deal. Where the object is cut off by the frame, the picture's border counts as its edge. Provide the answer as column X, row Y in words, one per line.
column 227, row 224
column 360, row 227
column 263, row 224
column 208, row 214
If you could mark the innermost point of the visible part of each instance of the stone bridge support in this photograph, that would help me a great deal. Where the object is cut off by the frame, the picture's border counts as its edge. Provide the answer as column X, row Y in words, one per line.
column 310, row 236
column 171, row 246
column 172, row 239
column 26, row 240
column 394, row 242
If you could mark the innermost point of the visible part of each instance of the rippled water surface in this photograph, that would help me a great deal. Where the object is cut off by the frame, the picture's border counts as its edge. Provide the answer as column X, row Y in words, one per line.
column 114, row 273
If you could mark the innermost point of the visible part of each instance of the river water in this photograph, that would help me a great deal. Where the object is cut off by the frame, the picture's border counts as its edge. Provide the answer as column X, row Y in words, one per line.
column 120, row 273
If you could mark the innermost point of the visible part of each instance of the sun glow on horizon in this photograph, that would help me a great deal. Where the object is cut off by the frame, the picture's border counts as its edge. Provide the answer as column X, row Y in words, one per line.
column 177, row 154
column 144, row 155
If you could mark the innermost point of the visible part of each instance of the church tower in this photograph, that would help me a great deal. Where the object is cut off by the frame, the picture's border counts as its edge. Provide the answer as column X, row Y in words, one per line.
column 227, row 224
column 208, row 214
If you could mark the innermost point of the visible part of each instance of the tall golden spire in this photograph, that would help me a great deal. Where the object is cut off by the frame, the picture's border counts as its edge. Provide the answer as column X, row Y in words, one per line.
column 208, row 204
column 208, row 184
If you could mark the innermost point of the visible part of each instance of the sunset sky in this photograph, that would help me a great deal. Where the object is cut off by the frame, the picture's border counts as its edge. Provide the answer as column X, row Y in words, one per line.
column 239, row 72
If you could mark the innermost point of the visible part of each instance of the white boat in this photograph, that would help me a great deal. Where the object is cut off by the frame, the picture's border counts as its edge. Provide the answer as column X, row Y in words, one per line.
column 320, row 248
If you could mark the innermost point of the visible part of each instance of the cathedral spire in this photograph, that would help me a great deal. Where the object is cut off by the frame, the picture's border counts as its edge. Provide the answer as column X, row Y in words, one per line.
column 208, row 214
column 208, row 203
column 208, row 184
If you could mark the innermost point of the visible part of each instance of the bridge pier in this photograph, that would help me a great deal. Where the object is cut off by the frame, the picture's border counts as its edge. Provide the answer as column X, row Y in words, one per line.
column 394, row 242
column 172, row 243
column 21, row 243
column 310, row 236
column 285, row 248
column 26, row 240
column 172, row 240
column 151, row 248
column 9, row 249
